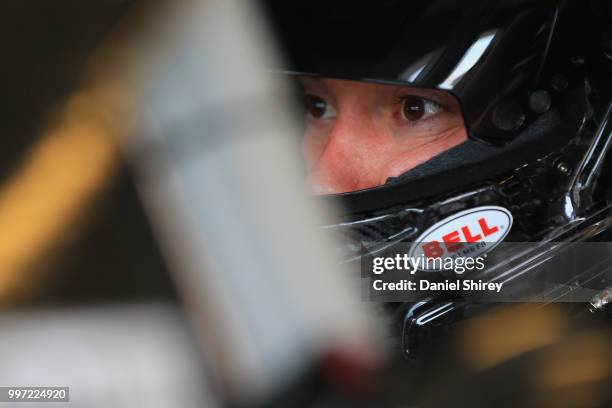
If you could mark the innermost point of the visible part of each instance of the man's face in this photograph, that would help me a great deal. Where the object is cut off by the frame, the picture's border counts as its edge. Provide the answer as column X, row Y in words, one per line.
column 360, row 134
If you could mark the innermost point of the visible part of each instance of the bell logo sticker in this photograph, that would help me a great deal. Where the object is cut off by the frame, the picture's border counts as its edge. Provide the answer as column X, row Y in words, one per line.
column 468, row 233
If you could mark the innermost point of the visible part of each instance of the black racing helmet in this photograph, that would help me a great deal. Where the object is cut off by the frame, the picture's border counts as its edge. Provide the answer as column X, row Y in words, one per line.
column 532, row 79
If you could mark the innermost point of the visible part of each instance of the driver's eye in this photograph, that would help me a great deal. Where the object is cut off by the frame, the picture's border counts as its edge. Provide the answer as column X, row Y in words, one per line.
column 318, row 108
column 415, row 108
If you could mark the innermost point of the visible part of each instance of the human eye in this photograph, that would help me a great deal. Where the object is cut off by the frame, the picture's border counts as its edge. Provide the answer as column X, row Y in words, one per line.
column 415, row 108
column 319, row 109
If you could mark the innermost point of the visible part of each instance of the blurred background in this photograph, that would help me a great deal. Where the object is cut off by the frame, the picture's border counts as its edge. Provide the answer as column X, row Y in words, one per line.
column 86, row 191
column 131, row 270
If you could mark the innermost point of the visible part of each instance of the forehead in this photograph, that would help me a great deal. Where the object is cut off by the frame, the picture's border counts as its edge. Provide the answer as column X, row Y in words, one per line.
column 335, row 85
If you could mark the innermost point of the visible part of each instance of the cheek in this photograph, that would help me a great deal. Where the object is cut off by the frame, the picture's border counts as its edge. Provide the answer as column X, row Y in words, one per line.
column 406, row 159
column 313, row 145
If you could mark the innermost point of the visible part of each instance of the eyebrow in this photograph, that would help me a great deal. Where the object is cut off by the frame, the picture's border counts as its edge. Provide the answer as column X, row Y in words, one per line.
column 444, row 97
